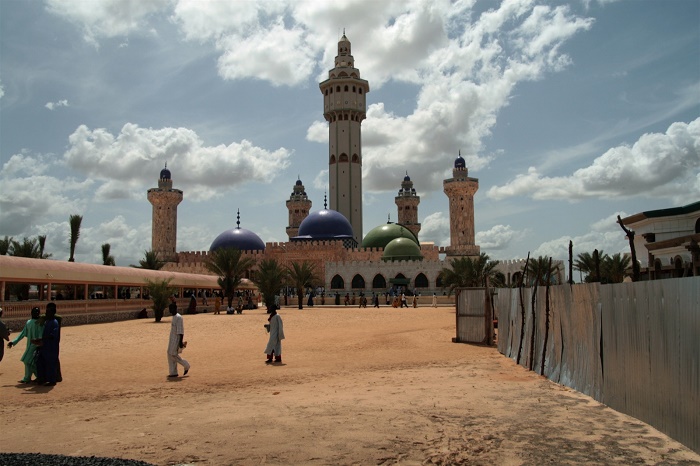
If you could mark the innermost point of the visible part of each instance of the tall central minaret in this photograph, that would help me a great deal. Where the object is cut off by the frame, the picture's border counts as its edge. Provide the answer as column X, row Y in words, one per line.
column 344, row 108
column 164, row 229
column 460, row 190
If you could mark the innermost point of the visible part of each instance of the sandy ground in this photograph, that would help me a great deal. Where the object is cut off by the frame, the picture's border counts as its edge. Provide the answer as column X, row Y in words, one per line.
column 358, row 386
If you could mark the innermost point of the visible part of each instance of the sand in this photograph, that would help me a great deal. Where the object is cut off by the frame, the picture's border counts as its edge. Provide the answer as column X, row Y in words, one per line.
column 358, row 386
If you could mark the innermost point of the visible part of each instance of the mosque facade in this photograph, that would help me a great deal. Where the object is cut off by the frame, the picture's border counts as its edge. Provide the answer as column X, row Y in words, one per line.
column 332, row 239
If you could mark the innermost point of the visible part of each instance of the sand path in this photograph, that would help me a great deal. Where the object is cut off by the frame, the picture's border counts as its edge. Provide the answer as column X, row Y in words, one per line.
column 358, row 386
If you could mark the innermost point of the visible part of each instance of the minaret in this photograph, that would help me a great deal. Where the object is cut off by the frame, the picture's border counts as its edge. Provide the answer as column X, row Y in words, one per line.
column 344, row 108
column 460, row 190
column 299, row 206
column 164, row 228
column 407, row 203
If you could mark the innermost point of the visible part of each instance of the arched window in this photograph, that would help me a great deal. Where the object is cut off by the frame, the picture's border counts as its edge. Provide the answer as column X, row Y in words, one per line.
column 353, row 89
column 421, row 281
column 345, row 117
column 337, row 89
column 326, row 93
column 360, row 90
column 346, row 88
column 355, row 158
column 332, row 159
column 358, row 282
column 697, row 226
column 337, row 283
column 379, row 282
column 331, row 90
column 400, row 275
column 678, row 267
column 343, row 158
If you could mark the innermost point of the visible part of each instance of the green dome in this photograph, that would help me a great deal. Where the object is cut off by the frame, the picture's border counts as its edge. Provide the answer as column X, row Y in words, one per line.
column 381, row 236
column 402, row 249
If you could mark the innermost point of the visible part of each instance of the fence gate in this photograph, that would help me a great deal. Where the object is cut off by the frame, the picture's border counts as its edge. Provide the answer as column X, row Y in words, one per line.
column 474, row 316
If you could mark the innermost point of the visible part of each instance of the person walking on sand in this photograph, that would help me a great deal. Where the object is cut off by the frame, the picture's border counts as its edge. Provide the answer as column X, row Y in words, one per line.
column 274, row 344
column 32, row 331
column 434, row 300
column 4, row 335
column 176, row 343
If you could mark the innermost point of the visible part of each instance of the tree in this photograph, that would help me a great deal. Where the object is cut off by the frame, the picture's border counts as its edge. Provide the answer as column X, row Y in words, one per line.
column 29, row 247
column 586, row 263
column 465, row 272
column 614, row 268
column 5, row 245
column 540, row 269
column 150, row 261
column 302, row 275
column 160, row 292
column 230, row 266
column 270, row 278
column 74, row 221
column 107, row 259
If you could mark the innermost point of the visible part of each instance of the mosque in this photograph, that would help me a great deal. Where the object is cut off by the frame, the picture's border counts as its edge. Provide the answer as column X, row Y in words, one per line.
column 332, row 238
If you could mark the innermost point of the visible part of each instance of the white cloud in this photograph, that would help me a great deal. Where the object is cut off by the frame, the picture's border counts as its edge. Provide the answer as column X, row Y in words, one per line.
column 60, row 103
column 436, row 228
column 131, row 160
column 107, row 18
column 657, row 165
column 27, row 194
column 497, row 238
column 2, row 90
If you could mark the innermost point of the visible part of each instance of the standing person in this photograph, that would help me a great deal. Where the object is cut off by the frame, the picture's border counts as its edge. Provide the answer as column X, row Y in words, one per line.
column 434, row 300
column 217, row 304
column 4, row 335
column 274, row 344
column 175, row 343
column 33, row 331
column 204, row 298
column 310, row 302
column 193, row 305
column 415, row 300
column 403, row 300
column 47, row 366
column 375, row 299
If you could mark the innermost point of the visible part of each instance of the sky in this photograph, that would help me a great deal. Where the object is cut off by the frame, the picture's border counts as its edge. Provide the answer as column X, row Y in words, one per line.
column 568, row 113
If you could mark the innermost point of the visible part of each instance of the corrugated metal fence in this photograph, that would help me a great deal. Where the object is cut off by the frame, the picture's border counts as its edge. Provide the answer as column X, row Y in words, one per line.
column 632, row 346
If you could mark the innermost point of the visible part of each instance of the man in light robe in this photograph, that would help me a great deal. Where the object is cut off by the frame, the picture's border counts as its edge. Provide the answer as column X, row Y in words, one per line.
column 32, row 331
column 274, row 344
column 176, row 343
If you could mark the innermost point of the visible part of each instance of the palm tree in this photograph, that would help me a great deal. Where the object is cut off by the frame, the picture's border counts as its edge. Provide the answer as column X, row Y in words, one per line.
column 466, row 272
column 75, row 221
column 270, row 278
column 230, row 266
column 150, row 261
column 27, row 248
column 539, row 271
column 614, row 268
column 107, row 259
column 160, row 292
column 302, row 275
column 586, row 263
column 5, row 245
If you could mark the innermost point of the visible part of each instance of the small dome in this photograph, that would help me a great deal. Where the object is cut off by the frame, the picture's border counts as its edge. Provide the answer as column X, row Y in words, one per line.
column 407, row 178
column 460, row 163
column 165, row 174
column 325, row 224
column 238, row 238
column 382, row 235
column 402, row 249
column 298, row 183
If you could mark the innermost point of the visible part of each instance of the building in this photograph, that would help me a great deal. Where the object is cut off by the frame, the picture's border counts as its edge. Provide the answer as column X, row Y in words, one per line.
column 332, row 239
column 666, row 241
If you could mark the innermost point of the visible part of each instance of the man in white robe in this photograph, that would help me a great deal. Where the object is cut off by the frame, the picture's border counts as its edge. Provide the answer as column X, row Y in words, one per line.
column 175, row 344
column 274, row 344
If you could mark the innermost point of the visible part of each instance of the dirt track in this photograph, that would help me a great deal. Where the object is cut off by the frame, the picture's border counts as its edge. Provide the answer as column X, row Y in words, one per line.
column 358, row 386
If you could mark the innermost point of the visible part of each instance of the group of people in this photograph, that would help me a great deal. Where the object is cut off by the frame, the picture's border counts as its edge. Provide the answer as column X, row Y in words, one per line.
column 40, row 358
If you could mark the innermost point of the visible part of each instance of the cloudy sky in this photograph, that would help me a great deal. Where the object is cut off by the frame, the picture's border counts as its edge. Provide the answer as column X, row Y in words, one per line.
column 568, row 113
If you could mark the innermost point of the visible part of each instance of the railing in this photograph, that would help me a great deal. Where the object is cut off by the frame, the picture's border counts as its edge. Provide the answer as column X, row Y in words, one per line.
column 22, row 309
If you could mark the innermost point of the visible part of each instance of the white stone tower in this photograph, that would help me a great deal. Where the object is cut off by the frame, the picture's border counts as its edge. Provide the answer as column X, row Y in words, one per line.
column 165, row 200
column 344, row 108
column 460, row 191
column 407, row 203
column 299, row 206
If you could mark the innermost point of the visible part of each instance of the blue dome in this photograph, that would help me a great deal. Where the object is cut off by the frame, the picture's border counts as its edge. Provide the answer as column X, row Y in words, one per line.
column 165, row 174
column 298, row 183
column 407, row 178
column 460, row 163
column 239, row 238
column 325, row 224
